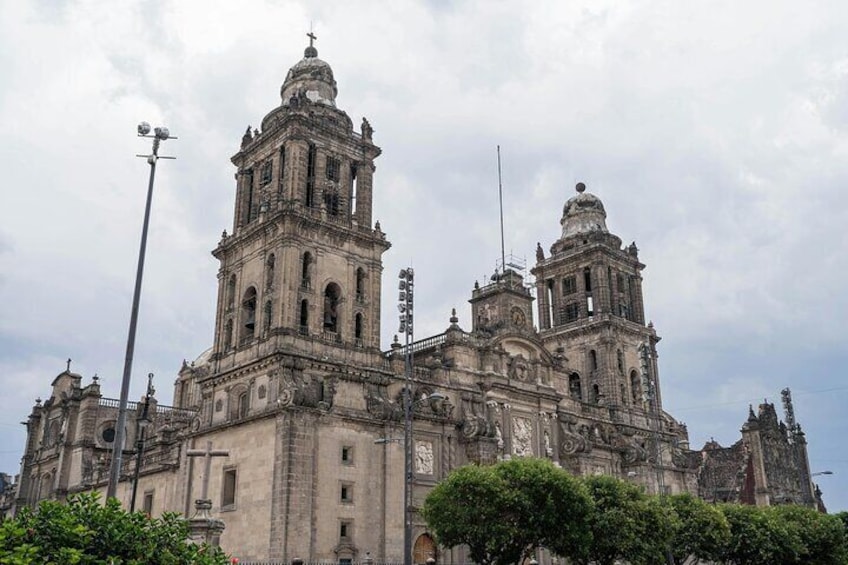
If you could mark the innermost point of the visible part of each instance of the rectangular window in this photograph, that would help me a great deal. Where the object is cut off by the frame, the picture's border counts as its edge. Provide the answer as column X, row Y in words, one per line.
column 228, row 492
column 590, row 306
column 346, row 493
column 572, row 312
column 569, row 285
column 345, row 530
column 333, row 167
column 147, row 505
column 347, row 455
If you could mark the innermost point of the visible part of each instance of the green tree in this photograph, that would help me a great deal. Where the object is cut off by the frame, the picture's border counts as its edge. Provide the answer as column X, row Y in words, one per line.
column 700, row 530
column 504, row 512
column 758, row 537
column 84, row 531
column 820, row 537
column 626, row 524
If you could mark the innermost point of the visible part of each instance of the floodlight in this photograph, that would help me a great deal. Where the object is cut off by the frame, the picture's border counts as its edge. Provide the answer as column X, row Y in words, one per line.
column 143, row 128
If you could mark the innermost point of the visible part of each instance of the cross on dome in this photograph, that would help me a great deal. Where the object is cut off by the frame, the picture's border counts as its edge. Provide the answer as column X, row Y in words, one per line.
column 310, row 52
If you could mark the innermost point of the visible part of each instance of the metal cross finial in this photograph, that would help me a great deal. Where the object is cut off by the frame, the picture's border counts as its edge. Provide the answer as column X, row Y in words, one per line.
column 312, row 37
column 68, row 369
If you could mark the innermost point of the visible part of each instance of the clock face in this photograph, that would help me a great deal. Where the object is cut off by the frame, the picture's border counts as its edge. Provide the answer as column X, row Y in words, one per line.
column 518, row 317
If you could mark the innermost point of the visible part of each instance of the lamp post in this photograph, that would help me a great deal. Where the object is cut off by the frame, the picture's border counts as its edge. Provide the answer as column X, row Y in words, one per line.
column 141, row 427
column 409, row 474
column 650, row 395
column 159, row 134
column 405, row 305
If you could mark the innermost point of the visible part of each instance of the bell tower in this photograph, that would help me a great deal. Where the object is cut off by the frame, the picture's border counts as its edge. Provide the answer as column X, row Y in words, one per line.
column 590, row 301
column 302, row 266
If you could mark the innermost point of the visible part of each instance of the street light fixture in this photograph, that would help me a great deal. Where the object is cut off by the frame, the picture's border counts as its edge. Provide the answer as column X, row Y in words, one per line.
column 160, row 134
column 407, row 460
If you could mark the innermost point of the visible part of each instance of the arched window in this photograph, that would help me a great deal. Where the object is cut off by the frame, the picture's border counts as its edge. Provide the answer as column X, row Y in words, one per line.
column 587, row 279
column 620, row 356
column 228, row 334
column 575, row 390
column 266, row 316
column 636, row 387
column 360, row 284
column 332, row 294
column 269, row 270
column 248, row 313
column 304, row 317
column 596, row 394
column 243, row 404
column 357, row 327
column 238, row 402
column 306, row 271
column 623, row 394
column 231, row 292
column 353, row 189
column 593, row 360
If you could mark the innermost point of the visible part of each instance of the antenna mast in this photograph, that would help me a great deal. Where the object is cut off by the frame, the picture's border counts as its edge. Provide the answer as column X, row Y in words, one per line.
column 500, row 197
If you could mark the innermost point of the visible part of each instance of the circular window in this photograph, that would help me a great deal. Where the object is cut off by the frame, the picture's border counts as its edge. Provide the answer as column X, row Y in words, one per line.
column 108, row 435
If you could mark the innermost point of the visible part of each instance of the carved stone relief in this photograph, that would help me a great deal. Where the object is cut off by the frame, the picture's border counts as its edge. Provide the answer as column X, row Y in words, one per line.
column 522, row 437
column 424, row 458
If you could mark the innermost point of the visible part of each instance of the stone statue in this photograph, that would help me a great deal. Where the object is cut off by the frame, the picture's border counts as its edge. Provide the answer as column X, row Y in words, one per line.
column 540, row 253
column 367, row 130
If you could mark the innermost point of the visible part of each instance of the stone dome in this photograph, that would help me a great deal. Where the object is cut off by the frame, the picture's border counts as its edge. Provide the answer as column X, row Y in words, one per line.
column 310, row 78
column 583, row 213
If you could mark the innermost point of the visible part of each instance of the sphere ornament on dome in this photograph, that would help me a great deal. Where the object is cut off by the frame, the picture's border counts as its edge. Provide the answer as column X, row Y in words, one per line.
column 583, row 213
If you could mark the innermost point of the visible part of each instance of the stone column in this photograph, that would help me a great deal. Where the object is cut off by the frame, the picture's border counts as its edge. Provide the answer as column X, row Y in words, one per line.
column 364, row 190
column 544, row 308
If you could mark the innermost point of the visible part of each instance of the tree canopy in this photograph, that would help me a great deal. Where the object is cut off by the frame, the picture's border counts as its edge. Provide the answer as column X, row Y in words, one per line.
column 84, row 531
column 626, row 524
column 700, row 530
column 505, row 511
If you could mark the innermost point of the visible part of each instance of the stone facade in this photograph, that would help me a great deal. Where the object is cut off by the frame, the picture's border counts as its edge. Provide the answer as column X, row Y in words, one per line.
column 297, row 389
column 767, row 466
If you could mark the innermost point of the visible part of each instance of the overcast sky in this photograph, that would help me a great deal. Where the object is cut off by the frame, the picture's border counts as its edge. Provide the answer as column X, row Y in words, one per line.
column 716, row 134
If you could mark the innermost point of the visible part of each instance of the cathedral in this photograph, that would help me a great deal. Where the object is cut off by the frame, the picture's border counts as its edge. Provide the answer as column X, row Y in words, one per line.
column 303, row 408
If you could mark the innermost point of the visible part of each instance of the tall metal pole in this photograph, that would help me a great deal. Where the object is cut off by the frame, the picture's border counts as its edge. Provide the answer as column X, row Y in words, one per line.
column 406, row 326
column 120, row 431
column 141, row 428
column 649, row 384
column 500, row 199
